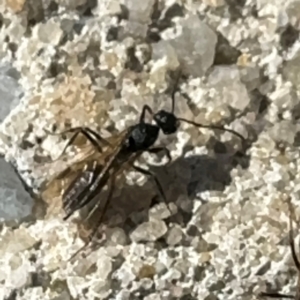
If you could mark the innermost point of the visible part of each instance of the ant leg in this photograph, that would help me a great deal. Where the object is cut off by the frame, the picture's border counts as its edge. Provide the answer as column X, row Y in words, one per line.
column 145, row 109
column 294, row 255
column 150, row 174
column 292, row 240
column 87, row 130
column 73, row 138
column 160, row 149
column 174, row 91
column 276, row 295
column 157, row 183
column 91, row 236
column 97, row 135
column 93, row 137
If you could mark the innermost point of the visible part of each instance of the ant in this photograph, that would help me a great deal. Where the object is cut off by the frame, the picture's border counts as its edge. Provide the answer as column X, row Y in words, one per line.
column 114, row 155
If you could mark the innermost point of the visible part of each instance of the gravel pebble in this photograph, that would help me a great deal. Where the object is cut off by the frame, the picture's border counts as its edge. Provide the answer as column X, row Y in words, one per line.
column 149, row 231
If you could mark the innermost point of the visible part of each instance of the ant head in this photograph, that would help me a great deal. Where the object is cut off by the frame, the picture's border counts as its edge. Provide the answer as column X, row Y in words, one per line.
column 166, row 121
column 142, row 136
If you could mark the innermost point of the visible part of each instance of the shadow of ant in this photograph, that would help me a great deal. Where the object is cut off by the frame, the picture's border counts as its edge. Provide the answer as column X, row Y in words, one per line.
column 182, row 180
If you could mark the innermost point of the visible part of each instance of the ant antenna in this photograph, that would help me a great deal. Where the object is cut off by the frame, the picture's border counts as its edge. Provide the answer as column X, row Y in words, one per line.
column 213, row 127
column 194, row 123
column 174, row 91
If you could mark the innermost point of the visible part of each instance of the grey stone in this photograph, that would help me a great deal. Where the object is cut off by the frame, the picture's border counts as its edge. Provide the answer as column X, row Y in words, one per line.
column 153, row 296
column 63, row 296
column 159, row 211
column 149, row 231
column 15, row 242
column 116, row 236
column 174, row 236
column 71, row 4
column 195, row 46
column 291, row 70
column 164, row 49
column 124, row 275
column 134, row 29
column 50, row 32
column 16, row 203
column 283, row 131
column 104, row 267
column 139, row 11
column 123, row 295
column 293, row 13
column 226, row 81
column 10, row 90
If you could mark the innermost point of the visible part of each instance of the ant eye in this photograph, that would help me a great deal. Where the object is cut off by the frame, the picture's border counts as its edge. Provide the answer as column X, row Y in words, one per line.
column 163, row 119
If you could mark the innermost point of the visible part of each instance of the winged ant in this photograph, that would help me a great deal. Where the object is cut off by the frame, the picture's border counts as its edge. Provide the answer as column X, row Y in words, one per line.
column 107, row 158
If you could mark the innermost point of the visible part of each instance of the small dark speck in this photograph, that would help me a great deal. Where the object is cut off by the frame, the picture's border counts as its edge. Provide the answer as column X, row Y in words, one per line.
column 254, row 11
column 1, row 20
column 192, row 230
column 280, row 116
column 38, row 140
column 175, row 10
column 13, row 47
column 288, row 37
column 40, row 278
column 26, row 145
column 220, row 148
column 54, row 128
column 87, row 8
column 124, row 15
column 229, row 292
column 217, row 286
column 297, row 139
column 40, row 51
column 132, row 62
column 32, row 22
column 264, row 104
column 112, row 34
column 32, row 258
column 111, row 85
column 263, row 269
column 153, row 36
column 78, row 27
column 53, row 69
column 199, row 272
column 53, row 6
column 39, row 159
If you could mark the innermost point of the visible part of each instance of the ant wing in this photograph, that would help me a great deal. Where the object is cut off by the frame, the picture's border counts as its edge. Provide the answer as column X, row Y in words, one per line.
column 53, row 191
column 96, row 175
column 69, row 183
column 64, row 175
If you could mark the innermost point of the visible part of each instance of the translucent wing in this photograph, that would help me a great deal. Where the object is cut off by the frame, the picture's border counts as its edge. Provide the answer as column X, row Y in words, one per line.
column 94, row 177
column 70, row 183
column 64, row 174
